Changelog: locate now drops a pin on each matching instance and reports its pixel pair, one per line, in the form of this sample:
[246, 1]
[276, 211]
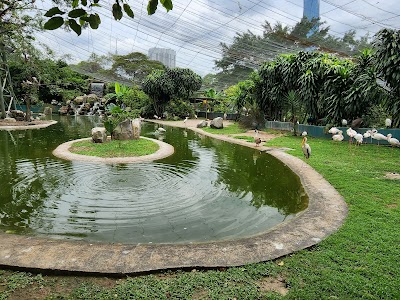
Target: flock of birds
[337, 136]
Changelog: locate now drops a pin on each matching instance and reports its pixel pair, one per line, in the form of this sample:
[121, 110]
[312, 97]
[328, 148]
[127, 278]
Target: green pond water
[207, 190]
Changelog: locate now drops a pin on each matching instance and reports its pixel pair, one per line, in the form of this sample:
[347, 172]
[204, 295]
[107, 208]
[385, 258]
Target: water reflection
[207, 190]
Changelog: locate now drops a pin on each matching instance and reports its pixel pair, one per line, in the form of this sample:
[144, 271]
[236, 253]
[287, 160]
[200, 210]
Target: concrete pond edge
[325, 214]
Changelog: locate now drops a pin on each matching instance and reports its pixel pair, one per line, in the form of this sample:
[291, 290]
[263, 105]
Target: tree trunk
[2, 106]
[28, 109]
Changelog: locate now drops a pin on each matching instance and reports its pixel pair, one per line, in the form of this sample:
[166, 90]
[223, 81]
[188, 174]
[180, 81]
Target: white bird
[160, 129]
[359, 138]
[333, 130]
[338, 137]
[351, 133]
[367, 134]
[184, 121]
[344, 122]
[388, 123]
[306, 148]
[304, 133]
[393, 141]
[195, 116]
[378, 136]
[157, 117]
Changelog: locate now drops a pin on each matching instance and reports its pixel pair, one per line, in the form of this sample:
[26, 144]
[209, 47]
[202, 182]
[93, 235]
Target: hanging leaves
[80, 15]
[117, 11]
[75, 26]
[128, 10]
[54, 11]
[54, 23]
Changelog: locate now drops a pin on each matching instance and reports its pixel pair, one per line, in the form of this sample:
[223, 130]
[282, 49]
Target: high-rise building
[311, 11]
[165, 56]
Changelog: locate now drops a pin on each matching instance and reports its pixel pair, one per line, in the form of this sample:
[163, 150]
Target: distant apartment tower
[165, 56]
[311, 11]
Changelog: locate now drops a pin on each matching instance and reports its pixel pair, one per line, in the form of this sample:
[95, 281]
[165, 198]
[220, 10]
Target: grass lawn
[360, 261]
[115, 148]
[230, 129]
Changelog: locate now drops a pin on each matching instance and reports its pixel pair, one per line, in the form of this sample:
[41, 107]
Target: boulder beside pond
[217, 123]
[202, 124]
[99, 135]
[123, 131]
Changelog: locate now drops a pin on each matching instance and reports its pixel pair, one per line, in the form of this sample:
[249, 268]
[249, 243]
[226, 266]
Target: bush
[179, 108]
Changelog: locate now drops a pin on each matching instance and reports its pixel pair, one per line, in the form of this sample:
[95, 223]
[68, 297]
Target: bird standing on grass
[306, 148]
[378, 136]
[393, 141]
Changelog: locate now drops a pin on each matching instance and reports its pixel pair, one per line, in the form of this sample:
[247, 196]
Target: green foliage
[162, 86]
[179, 108]
[116, 115]
[329, 87]
[79, 14]
[387, 62]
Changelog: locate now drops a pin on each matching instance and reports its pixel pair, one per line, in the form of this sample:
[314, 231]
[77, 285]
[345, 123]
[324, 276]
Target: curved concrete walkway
[325, 214]
[63, 152]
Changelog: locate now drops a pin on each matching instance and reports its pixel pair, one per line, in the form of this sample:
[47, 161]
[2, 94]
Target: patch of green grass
[115, 148]
[230, 129]
[245, 137]
[360, 261]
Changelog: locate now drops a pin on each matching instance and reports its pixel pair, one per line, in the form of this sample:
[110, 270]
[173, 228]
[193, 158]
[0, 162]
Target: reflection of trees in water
[26, 180]
[268, 180]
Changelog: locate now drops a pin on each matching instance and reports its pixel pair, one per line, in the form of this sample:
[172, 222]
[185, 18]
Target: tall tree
[387, 62]
[15, 34]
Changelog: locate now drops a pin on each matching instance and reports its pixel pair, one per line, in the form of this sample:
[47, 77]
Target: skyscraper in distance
[166, 56]
[311, 11]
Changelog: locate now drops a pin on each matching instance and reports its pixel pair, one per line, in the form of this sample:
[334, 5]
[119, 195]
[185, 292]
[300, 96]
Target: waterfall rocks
[202, 124]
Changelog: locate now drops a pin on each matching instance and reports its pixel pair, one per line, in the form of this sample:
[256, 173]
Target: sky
[196, 28]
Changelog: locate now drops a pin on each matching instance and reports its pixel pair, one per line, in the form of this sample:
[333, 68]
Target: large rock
[123, 131]
[18, 115]
[99, 135]
[136, 125]
[217, 123]
[202, 124]
[92, 98]
[47, 111]
[63, 110]
[80, 99]
[10, 120]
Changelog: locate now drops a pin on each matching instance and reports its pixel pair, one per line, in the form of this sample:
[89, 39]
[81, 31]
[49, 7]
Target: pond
[208, 190]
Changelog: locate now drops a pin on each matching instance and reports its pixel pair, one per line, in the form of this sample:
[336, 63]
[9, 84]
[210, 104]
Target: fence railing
[322, 131]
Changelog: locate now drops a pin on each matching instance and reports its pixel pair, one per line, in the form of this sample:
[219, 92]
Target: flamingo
[359, 138]
[338, 137]
[378, 136]
[344, 122]
[393, 141]
[388, 123]
[367, 134]
[306, 148]
[333, 130]
[351, 133]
